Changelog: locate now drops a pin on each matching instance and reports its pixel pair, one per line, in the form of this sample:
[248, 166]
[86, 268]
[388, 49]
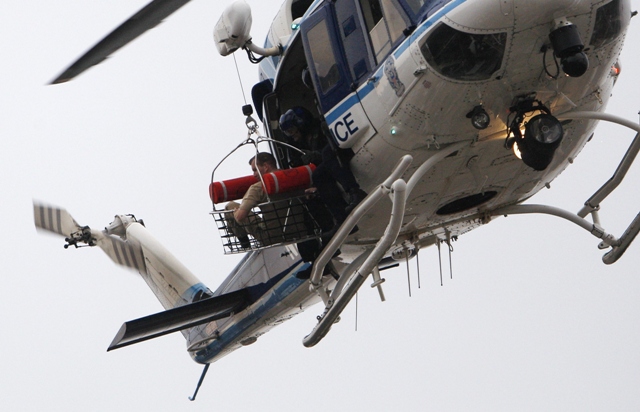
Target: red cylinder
[231, 189]
[280, 181]
[288, 180]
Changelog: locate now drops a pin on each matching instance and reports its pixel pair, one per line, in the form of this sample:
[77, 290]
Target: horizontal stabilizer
[182, 317]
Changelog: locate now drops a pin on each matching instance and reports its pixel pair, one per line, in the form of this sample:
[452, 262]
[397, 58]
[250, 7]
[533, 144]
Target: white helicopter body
[404, 111]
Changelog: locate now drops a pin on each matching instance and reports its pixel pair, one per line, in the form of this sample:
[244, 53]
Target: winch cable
[239, 79]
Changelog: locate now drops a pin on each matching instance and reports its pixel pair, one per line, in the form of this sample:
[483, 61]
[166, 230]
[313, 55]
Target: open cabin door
[339, 59]
[272, 115]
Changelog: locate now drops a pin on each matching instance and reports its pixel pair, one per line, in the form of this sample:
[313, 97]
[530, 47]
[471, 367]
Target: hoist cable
[239, 79]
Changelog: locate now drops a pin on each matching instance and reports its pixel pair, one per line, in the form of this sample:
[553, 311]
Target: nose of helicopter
[520, 14]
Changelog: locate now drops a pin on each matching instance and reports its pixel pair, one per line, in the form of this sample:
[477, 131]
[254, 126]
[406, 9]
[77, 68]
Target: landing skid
[352, 280]
[354, 276]
[592, 205]
[335, 308]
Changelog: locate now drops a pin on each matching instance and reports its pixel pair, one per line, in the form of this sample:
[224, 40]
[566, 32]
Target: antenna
[450, 264]
[204, 373]
[440, 261]
[450, 250]
[356, 311]
[408, 277]
[418, 265]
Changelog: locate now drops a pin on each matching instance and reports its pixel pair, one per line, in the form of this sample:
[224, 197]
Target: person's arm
[240, 215]
[249, 201]
[311, 157]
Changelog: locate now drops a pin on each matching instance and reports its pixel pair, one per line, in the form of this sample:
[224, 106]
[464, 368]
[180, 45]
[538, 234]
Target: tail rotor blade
[54, 219]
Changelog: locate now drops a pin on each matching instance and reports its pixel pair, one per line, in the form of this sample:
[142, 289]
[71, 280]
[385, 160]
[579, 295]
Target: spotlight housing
[479, 118]
[568, 47]
[542, 135]
[544, 129]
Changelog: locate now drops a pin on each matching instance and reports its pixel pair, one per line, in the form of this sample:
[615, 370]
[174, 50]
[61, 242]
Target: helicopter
[459, 174]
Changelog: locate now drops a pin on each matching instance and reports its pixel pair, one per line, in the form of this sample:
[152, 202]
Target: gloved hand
[311, 157]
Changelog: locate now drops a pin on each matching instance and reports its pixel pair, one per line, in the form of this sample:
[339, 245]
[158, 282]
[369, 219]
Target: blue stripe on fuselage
[255, 314]
[338, 111]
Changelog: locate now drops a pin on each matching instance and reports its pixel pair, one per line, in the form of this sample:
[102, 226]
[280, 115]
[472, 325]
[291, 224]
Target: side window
[323, 56]
[608, 24]
[353, 32]
[425, 8]
[415, 5]
[299, 7]
[395, 22]
[330, 72]
[385, 24]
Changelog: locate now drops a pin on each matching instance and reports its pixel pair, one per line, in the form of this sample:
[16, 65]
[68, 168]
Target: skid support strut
[349, 284]
[398, 190]
[342, 233]
[592, 205]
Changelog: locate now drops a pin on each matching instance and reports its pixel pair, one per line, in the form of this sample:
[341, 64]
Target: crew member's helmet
[294, 119]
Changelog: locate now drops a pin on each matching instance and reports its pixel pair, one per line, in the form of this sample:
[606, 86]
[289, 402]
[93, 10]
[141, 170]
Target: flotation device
[231, 189]
[288, 180]
[281, 181]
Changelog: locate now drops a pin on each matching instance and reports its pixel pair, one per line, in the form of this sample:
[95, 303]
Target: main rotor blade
[147, 18]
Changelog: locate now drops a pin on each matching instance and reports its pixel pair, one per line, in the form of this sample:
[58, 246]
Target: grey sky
[532, 320]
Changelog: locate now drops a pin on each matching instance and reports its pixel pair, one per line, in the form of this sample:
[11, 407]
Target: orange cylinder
[288, 180]
[280, 181]
[231, 189]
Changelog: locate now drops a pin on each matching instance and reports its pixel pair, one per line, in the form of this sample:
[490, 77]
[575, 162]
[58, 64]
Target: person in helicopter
[304, 132]
[268, 228]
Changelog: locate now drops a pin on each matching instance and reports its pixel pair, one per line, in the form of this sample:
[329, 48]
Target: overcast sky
[532, 319]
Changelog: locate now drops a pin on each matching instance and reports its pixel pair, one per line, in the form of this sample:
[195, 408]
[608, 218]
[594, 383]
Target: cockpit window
[608, 24]
[464, 56]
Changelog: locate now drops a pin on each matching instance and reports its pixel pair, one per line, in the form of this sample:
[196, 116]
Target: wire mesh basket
[278, 222]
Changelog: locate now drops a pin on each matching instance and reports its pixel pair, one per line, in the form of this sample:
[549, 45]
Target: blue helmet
[298, 118]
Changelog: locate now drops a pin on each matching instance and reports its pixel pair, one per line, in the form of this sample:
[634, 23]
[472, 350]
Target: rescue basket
[278, 222]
